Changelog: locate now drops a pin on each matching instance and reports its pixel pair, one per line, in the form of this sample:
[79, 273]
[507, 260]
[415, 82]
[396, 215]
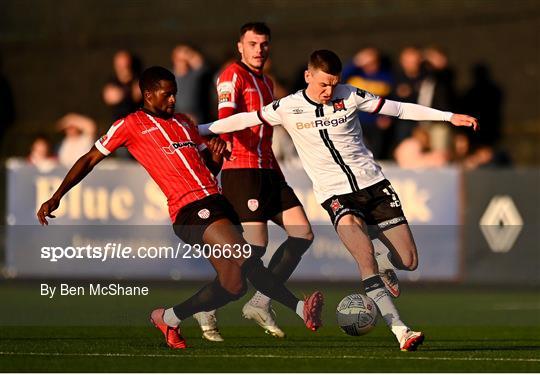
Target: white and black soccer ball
[356, 314]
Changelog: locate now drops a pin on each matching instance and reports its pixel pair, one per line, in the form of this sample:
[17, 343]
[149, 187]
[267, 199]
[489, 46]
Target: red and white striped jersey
[240, 89]
[169, 151]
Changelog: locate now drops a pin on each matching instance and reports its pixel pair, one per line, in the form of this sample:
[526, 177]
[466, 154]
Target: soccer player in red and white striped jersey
[251, 178]
[176, 166]
[168, 147]
[243, 89]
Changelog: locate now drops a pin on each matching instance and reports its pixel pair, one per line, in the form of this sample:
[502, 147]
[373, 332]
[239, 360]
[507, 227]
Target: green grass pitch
[466, 331]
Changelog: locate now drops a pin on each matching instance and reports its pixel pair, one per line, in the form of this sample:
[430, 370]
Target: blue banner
[118, 196]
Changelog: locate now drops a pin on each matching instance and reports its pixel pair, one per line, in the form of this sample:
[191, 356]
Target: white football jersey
[328, 138]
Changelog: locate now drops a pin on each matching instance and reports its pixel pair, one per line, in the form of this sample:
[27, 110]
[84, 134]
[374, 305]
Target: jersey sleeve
[116, 137]
[229, 92]
[269, 114]
[366, 101]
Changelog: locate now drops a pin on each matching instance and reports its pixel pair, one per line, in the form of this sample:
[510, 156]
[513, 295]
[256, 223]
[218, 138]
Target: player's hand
[217, 146]
[464, 120]
[46, 210]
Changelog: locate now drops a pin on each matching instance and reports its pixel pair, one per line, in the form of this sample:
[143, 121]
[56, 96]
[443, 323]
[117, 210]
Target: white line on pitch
[264, 356]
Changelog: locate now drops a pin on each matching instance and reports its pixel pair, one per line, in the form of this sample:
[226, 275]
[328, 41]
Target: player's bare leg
[258, 308]
[398, 253]
[282, 264]
[266, 282]
[353, 232]
[231, 280]
[400, 242]
[255, 233]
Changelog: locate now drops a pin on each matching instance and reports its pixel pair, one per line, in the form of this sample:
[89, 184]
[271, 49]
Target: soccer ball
[356, 314]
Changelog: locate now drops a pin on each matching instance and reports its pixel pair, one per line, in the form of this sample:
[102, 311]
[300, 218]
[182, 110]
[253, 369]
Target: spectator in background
[415, 151]
[367, 72]
[41, 154]
[193, 79]
[121, 93]
[437, 91]
[79, 137]
[7, 106]
[407, 87]
[484, 100]
[472, 156]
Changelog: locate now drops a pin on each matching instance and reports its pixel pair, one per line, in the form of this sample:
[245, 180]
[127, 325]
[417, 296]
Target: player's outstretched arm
[239, 121]
[417, 112]
[80, 169]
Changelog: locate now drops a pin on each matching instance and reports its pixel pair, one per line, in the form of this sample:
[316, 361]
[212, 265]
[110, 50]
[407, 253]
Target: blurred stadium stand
[60, 63]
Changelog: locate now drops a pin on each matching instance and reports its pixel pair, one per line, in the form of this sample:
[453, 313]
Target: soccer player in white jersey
[323, 123]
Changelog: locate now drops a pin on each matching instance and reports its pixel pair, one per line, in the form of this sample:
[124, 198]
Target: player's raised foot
[410, 340]
[208, 323]
[265, 317]
[391, 282]
[173, 338]
[313, 311]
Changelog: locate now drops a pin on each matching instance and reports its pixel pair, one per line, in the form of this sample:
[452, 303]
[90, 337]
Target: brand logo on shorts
[335, 205]
[253, 204]
[204, 213]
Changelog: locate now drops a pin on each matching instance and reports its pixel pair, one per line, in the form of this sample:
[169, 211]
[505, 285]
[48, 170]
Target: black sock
[287, 256]
[210, 297]
[265, 282]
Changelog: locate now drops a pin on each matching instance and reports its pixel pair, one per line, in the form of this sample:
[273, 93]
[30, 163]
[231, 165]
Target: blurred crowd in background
[420, 75]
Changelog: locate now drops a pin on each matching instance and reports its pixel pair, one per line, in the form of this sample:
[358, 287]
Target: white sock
[170, 318]
[300, 309]
[398, 331]
[377, 292]
[260, 300]
[383, 258]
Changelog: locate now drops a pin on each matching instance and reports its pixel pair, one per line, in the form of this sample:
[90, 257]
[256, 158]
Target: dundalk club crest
[335, 205]
[253, 204]
[339, 105]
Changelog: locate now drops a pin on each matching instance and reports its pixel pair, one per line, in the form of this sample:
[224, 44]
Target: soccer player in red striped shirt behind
[168, 146]
[251, 178]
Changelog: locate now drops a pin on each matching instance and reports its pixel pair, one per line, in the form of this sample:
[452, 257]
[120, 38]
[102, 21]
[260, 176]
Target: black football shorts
[194, 218]
[378, 205]
[257, 194]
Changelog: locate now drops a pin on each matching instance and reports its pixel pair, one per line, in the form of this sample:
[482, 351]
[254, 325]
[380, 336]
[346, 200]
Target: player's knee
[239, 291]
[236, 287]
[410, 263]
[302, 231]
[413, 265]
[308, 235]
